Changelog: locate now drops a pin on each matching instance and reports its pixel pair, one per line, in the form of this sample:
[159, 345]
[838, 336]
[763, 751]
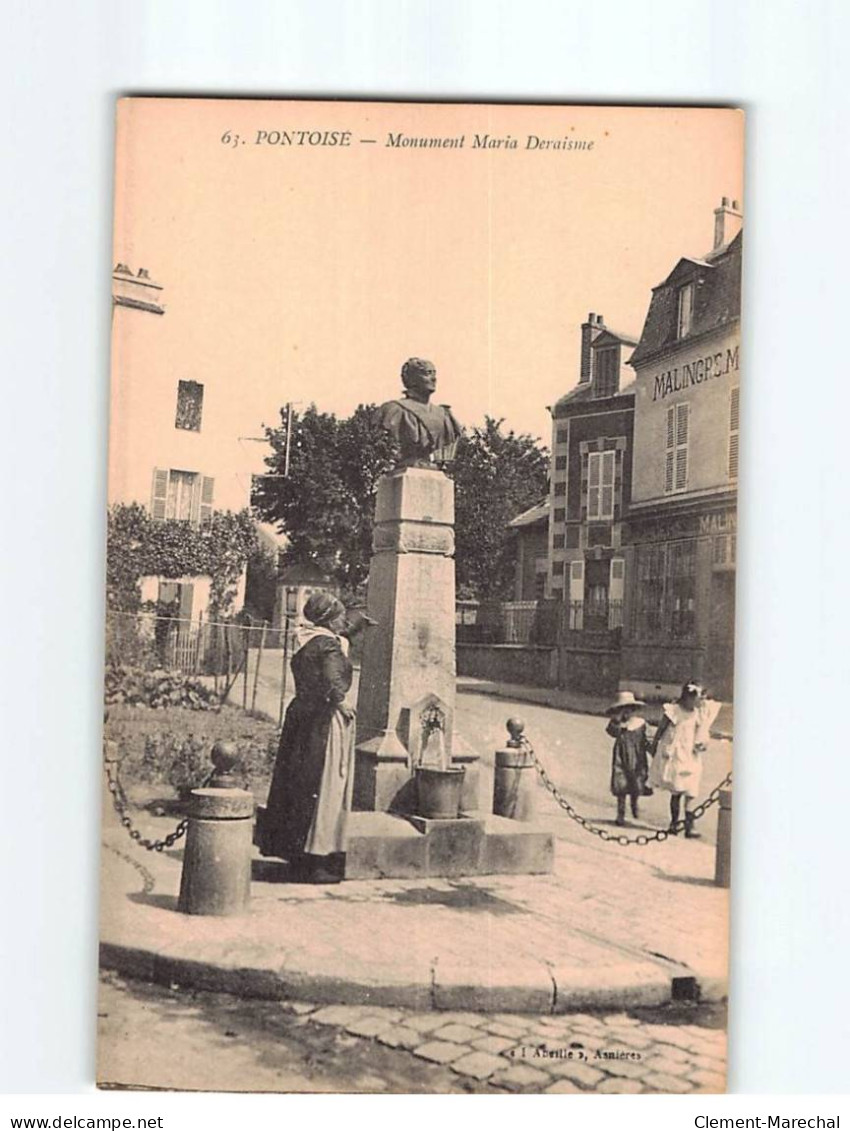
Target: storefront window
[666, 591]
[650, 590]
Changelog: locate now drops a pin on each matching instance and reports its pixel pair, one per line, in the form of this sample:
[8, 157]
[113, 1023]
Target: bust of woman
[426, 434]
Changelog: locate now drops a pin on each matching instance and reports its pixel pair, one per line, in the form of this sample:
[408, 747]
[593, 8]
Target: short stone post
[216, 876]
[723, 859]
[515, 777]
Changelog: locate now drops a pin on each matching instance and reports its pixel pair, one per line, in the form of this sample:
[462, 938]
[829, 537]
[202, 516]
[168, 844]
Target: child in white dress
[680, 741]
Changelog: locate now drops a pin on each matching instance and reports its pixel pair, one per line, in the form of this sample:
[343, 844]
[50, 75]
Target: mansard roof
[717, 300]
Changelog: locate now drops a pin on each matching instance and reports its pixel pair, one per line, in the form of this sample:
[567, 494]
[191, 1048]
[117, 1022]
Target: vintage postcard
[419, 685]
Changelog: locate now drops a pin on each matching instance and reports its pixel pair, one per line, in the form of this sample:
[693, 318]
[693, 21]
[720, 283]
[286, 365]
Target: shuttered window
[734, 410]
[600, 485]
[606, 367]
[576, 619]
[616, 584]
[182, 495]
[676, 464]
[205, 509]
[159, 492]
[685, 311]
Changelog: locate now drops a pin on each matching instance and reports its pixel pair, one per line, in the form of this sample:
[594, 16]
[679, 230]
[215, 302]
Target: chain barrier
[620, 838]
[121, 805]
[148, 881]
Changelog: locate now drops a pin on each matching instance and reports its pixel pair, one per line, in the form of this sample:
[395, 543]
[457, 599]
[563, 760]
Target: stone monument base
[385, 846]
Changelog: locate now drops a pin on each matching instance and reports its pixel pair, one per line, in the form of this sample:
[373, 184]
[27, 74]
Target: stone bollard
[515, 778]
[216, 876]
[723, 859]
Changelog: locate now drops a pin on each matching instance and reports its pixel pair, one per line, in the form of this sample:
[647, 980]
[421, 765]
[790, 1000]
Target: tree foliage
[497, 475]
[137, 547]
[261, 584]
[326, 502]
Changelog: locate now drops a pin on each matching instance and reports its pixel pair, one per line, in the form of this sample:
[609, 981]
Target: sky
[310, 273]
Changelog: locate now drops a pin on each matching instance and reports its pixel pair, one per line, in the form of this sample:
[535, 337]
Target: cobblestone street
[164, 1038]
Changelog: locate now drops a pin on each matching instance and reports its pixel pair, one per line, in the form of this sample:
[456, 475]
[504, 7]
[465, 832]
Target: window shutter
[734, 411]
[577, 594]
[682, 420]
[671, 449]
[682, 424]
[159, 492]
[577, 580]
[616, 585]
[207, 485]
[607, 507]
[681, 468]
[616, 579]
[593, 484]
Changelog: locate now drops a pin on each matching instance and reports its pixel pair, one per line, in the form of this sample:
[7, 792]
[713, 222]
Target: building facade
[172, 447]
[679, 539]
[590, 482]
[529, 533]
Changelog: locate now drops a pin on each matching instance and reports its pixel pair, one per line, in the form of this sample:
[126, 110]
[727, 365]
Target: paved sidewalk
[612, 927]
[579, 702]
[266, 698]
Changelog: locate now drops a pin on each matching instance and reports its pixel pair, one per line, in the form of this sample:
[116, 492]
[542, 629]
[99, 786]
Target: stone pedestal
[216, 877]
[382, 846]
[723, 852]
[405, 705]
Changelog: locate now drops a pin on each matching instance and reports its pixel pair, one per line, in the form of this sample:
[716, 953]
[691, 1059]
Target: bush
[184, 762]
[172, 746]
[158, 688]
[127, 645]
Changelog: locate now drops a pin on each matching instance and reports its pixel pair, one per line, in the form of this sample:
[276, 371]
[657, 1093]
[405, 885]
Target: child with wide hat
[629, 761]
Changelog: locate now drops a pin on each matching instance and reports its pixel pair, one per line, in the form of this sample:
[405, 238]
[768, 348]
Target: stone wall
[509, 663]
[592, 670]
[577, 669]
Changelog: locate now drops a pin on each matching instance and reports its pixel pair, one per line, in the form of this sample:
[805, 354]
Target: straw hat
[624, 699]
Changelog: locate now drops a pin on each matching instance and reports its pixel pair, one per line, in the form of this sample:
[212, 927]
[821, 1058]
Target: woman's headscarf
[321, 608]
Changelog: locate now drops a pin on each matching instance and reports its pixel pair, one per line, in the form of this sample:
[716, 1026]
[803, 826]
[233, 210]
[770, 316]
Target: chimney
[590, 331]
[727, 223]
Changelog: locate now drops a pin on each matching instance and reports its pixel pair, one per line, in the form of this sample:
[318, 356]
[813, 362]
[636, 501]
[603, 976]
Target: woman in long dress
[310, 794]
[678, 746]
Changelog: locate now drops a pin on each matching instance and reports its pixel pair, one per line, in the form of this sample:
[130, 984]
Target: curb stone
[457, 991]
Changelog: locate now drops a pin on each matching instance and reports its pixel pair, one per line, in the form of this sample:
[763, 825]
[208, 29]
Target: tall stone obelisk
[406, 698]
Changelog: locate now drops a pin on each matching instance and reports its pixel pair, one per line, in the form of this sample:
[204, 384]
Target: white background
[784, 62]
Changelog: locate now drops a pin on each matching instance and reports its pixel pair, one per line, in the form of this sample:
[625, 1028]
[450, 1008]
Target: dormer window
[607, 371]
[685, 315]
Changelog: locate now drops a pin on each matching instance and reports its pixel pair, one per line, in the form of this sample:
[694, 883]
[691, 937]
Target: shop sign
[697, 372]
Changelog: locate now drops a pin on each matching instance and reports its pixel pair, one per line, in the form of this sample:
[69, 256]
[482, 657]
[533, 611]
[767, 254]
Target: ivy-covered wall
[137, 547]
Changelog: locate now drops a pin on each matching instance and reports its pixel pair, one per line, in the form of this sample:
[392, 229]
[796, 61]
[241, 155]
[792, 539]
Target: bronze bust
[426, 434]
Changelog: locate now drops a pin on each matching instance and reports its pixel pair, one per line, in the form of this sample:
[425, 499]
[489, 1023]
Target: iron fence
[235, 659]
[596, 615]
[518, 621]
